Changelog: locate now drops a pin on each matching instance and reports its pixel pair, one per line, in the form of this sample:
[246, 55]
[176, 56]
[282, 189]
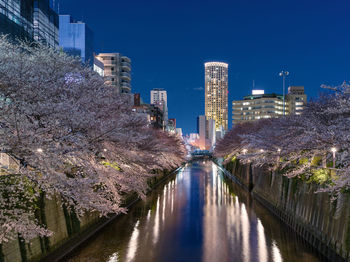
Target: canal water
[197, 215]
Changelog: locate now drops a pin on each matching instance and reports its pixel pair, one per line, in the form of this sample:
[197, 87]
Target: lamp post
[333, 149]
[283, 74]
[244, 151]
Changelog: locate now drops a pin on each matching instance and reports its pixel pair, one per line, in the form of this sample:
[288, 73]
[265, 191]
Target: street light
[262, 150]
[244, 151]
[39, 150]
[283, 74]
[333, 149]
[279, 150]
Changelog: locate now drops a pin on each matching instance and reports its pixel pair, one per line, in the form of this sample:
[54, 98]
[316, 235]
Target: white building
[117, 70]
[159, 99]
[207, 133]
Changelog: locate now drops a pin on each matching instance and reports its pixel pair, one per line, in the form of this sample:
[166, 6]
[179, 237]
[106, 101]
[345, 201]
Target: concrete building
[296, 100]
[45, 23]
[259, 105]
[117, 70]
[256, 106]
[216, 93]
[207, 133]
[76, 39]
[160, 99]
[153, 115]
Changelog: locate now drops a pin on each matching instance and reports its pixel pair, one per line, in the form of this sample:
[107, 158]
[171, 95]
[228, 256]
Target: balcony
[125, 85]
[125, 59]
[126, 66]
[125, 76]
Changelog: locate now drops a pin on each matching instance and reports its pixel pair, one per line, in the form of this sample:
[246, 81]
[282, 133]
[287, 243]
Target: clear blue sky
[169, 41]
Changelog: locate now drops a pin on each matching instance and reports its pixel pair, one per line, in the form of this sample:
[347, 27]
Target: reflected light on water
[245, 233]
[132, 247]
[276, 253]
[156, 224]
[262, 243]
[114, 257]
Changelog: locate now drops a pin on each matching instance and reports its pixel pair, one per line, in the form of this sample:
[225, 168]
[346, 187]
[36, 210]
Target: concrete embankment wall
[321, 222]
[69, 231]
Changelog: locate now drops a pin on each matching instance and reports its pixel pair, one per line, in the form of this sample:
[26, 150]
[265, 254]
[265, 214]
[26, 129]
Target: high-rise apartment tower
[216, 93]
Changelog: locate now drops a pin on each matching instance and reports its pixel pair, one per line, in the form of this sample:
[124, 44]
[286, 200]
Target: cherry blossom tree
[72, 136]
[297, 144]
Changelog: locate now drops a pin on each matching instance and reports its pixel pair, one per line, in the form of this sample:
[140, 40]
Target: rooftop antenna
[58, 8]
[253, 84]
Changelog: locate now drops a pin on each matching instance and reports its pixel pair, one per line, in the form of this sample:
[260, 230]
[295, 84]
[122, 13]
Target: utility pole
[284, 74]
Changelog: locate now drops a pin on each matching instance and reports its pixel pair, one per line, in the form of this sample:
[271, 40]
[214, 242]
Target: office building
[16, 19]
[259, 105]
[117, 70]
[256, 106]
[160, 99]
[45, 23]
[296, 100]
[76, 39]
[216, 93]
[207, 133]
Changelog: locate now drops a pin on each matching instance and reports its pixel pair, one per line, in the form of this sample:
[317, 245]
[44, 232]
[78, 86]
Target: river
[197, 215]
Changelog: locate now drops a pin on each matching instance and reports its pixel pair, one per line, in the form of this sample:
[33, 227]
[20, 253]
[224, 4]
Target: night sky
[169, 41]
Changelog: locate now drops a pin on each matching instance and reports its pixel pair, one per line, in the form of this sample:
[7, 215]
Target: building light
[258, 92]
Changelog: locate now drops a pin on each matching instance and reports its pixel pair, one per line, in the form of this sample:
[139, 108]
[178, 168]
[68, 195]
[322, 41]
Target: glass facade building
[216, 91]
[45, 23]
[29, 19]
[16, 18]
[76, 39]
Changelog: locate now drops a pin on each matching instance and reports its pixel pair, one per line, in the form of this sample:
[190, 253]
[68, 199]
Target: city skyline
[256, 39]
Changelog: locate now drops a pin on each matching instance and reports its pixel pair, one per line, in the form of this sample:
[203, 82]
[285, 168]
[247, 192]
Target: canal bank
[197, 215]
[69, 231]
[322, 223]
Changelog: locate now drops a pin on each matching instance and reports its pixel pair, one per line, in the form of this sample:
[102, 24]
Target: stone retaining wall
[321, 222]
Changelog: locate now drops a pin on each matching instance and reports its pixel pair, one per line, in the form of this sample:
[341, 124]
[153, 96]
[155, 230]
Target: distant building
[46, 23]
[171, 125]
[117, 70]
[160, 99]
[296, 100]
[259, 105]
[99, 67]
[152, 114]
[256, 106]
[216, 93]
[179, 131]
[207, 133]
[76, 39]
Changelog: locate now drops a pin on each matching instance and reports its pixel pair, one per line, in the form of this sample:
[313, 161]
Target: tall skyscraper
[216, 93]
[76, 39]
[117, 70]
[159, 98]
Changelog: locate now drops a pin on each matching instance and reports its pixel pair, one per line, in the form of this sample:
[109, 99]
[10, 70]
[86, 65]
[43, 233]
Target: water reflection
[196, 216]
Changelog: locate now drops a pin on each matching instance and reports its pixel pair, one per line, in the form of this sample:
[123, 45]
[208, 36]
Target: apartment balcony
[126, 66]
[125, 59]
[125, 85]
[126, 76]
